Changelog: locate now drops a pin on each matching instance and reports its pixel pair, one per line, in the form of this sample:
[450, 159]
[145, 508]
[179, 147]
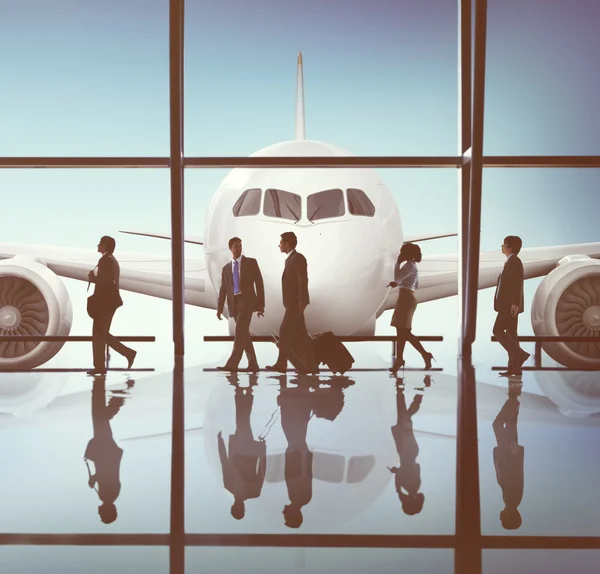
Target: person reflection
[103, 451]
[245, 465]
[509, 458]
[408, 475]
[298, 405]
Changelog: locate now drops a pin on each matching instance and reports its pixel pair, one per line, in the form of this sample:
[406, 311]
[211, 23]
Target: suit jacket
[245, 468]
[509, 289]
[106, 288]
[294, 281]
[251, 286]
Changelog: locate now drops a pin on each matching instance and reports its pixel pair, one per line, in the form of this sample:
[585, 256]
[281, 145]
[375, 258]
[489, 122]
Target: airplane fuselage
[350, 243]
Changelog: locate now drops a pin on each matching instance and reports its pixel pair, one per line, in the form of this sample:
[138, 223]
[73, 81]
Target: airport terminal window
[248, 203]
[325, 204]
[282, 204]
[359, 203]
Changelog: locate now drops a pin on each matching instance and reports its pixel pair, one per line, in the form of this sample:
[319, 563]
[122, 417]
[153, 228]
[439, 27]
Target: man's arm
[222, 293]
[302, 275]
[260, 288]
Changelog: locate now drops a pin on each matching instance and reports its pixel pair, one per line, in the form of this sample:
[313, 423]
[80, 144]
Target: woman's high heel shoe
[428, 357]
[399, 364]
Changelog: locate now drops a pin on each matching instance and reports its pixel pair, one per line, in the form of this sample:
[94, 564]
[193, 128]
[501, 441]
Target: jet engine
[33, 301]
[567, 304]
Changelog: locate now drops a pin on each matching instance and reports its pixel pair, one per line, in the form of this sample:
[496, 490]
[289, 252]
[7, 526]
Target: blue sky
[91, 78]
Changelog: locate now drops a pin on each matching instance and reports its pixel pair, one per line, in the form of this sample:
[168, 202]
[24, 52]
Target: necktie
[236, 278]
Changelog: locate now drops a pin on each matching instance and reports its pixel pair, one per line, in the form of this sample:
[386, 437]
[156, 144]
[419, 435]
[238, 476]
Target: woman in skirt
[407, 278]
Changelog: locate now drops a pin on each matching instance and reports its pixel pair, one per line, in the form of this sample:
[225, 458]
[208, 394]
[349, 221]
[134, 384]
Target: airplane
[350, 230]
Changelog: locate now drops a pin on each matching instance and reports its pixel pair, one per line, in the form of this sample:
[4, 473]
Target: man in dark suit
[243, 288]
[294, 283]
[508, 303]
[107, 300]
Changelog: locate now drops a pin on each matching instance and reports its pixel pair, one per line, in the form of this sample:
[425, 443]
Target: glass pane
[319, 560]
[84, 78]
[546, 561]
[90, 559]
[541, 85]
[248, 203]
[102, 445]
[363, 92]
[371, 469]
[325, 204]
[282, 204]
[359, 203]
[552, 210]
[60, 214]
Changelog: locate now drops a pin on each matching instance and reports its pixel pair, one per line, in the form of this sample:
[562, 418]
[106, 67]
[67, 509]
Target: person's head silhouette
[293, 516]
[510, 518]
[412, 503]
[107, 512]
[238, 509]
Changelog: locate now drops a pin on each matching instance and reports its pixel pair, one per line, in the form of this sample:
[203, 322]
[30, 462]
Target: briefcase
[331, 351]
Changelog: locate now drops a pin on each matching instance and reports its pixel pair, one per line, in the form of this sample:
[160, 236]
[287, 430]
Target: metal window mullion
[177, 518]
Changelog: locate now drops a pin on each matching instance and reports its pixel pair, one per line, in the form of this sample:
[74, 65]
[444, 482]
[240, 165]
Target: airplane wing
[142, 273]
[195, 239]
[438, 274]
[427, 237]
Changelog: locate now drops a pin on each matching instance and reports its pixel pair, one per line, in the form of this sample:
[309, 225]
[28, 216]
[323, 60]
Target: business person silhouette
[243, 288]
[296, 406]
[292, 332]
[407, 476]
[103, 451]
[509, 458]
[245, 465]
[407, 278]
[508, 303]
[105, 301]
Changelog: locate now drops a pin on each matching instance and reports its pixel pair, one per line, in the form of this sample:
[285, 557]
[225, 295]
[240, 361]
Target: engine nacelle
[567, 304]
[33, 301]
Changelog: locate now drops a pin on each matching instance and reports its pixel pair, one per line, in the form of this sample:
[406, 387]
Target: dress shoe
[131, 358]
[276, 367]
[505, 373]
[228, 368]
[96, 373]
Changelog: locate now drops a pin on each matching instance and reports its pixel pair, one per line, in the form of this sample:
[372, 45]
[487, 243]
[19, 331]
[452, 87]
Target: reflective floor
[282, 473]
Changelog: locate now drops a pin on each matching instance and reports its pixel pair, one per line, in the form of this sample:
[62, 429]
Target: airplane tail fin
[300, 125]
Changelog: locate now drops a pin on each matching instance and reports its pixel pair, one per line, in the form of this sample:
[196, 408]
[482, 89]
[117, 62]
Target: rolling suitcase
[298, 355]
[331, 351]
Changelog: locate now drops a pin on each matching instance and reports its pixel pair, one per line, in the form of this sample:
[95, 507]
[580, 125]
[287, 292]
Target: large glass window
[282, 204]
[359, 203]
[325, 204]
[248, 203]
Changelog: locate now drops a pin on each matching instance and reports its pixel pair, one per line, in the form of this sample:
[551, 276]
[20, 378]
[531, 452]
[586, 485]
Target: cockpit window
[282, 204]
[248, 203]
[325, 204]
[359, 203]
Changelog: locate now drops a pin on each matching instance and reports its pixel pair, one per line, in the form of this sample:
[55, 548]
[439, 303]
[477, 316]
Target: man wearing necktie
[508, 303]
[243, 288]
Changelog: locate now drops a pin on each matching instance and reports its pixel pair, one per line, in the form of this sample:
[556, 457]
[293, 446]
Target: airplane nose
[346, 288]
